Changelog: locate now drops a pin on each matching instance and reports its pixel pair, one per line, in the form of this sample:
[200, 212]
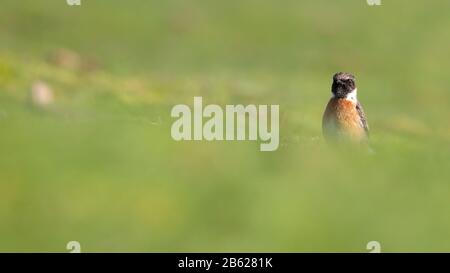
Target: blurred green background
[96, 163]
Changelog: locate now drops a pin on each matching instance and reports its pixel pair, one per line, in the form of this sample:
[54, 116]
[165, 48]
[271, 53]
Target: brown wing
[362, 117]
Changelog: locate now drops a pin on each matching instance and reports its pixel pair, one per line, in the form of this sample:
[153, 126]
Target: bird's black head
[343, 83]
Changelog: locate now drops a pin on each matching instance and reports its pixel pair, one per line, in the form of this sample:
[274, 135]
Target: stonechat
[344, 117]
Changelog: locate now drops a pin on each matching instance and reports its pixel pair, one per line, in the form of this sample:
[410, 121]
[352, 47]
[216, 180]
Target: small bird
[344, 117]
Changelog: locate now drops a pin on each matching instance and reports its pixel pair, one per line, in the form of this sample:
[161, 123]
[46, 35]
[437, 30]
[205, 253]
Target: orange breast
[341, 119]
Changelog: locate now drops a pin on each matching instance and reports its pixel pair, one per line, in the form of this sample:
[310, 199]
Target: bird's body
[344, 117]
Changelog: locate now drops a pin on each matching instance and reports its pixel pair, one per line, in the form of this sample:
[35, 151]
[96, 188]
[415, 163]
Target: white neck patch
[352, 96]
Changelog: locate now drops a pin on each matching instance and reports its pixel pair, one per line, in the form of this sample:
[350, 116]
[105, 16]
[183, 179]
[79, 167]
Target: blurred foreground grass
[99, 166]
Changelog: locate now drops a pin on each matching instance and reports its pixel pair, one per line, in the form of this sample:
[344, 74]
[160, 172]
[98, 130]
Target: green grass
[99, 166]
